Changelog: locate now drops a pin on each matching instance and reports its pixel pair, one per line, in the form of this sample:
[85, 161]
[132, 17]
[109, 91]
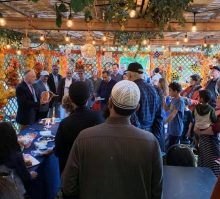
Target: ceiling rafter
[140, 25]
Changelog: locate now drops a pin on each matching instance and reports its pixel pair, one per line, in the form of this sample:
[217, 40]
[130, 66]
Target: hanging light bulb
[18, 52]
[71, 44]
[104, 49]
[194, 28]
[136, 45]
[104, 38]
[69, 22]
[163, 47]
[177, 42]
[2, 20]
[148, 46]
[212, 46]
[205, 43]
[144, 42]
[125, 48]
[67, 38]
[186, 38]
[93, 42]
[132, 13]
[42, 38]
[8, 46]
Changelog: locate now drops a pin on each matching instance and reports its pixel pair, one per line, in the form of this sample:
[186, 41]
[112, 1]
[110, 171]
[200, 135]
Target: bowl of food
[42, 145]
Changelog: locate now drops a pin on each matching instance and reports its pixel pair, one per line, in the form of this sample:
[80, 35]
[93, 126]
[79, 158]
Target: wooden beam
[80, 25]
[110, 42]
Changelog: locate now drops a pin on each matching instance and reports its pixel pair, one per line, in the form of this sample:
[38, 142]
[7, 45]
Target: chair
[180, 155]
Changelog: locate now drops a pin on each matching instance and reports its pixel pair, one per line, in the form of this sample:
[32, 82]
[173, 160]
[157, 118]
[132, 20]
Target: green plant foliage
[88, 15]
[10, 37]
[58, 16]
[123, 38]
[118, 11]
[79, 5]
[160, 12]
[62, 8]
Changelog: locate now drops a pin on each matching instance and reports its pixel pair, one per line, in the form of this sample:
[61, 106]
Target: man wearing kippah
[149, 115]
[115, 160]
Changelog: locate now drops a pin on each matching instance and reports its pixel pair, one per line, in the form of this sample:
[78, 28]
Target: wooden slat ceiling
[39, 18]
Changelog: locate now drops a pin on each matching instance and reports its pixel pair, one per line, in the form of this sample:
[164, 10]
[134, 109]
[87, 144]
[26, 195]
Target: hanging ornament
[88, 51]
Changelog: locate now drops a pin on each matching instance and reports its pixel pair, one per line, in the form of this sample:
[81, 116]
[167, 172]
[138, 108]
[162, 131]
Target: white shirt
[155, 78]
[68, 82]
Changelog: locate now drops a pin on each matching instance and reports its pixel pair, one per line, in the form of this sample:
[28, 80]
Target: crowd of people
[116, 150]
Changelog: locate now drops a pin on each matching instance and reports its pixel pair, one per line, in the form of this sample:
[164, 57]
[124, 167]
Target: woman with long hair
[11, 158]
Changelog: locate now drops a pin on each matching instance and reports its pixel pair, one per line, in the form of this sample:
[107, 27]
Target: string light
[177, 42]
[186, 38]
[132, 13]
[67, 38]
[18, 52]
[2, 20]
[104, 38]
[93, 42]
[205, 43]
[194, 28]
[144, 42]
[42, 38]
[8, 46]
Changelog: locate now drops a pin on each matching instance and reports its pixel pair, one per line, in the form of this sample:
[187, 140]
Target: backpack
[11, 176]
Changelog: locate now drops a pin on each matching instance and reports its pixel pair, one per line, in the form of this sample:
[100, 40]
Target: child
[209, 143]
[204, 114]
[204, 117]
[176, 116]
[187, 123]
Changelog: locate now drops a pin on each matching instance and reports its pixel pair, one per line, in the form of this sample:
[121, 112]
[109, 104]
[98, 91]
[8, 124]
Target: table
[47, 184]
[188, 182]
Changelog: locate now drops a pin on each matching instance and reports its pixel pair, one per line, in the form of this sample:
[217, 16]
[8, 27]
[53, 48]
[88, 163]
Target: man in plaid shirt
[149, 116]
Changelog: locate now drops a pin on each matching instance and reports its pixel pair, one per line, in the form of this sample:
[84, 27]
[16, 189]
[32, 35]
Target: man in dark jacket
[70, 127]
[105, 88]
[115, 159]
[28, 103]
[53, 82]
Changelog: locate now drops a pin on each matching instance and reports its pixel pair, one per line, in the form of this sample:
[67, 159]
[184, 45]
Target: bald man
[28, 103]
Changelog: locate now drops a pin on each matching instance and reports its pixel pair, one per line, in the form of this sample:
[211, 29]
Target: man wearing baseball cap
[115, 159]
[149, 115]
[213, 85]
[41, 86]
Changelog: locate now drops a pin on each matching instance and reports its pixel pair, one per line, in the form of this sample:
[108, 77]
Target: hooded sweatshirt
[204, 116]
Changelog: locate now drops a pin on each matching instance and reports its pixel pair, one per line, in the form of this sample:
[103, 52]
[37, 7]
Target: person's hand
[196, 130]
[33, 174]
[194, 102]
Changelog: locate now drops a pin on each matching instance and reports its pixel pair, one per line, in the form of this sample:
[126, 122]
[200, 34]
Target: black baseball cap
[135, 67]
[216, 68]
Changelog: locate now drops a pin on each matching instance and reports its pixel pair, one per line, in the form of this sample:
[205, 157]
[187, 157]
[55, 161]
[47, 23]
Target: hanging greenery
[118, 11]
[123, 38]
[10, 37]
[160, 12]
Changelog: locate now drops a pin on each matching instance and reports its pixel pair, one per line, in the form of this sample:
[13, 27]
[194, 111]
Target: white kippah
[126, 95]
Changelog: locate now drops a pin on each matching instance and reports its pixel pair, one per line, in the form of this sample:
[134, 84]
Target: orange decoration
[12, 74]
